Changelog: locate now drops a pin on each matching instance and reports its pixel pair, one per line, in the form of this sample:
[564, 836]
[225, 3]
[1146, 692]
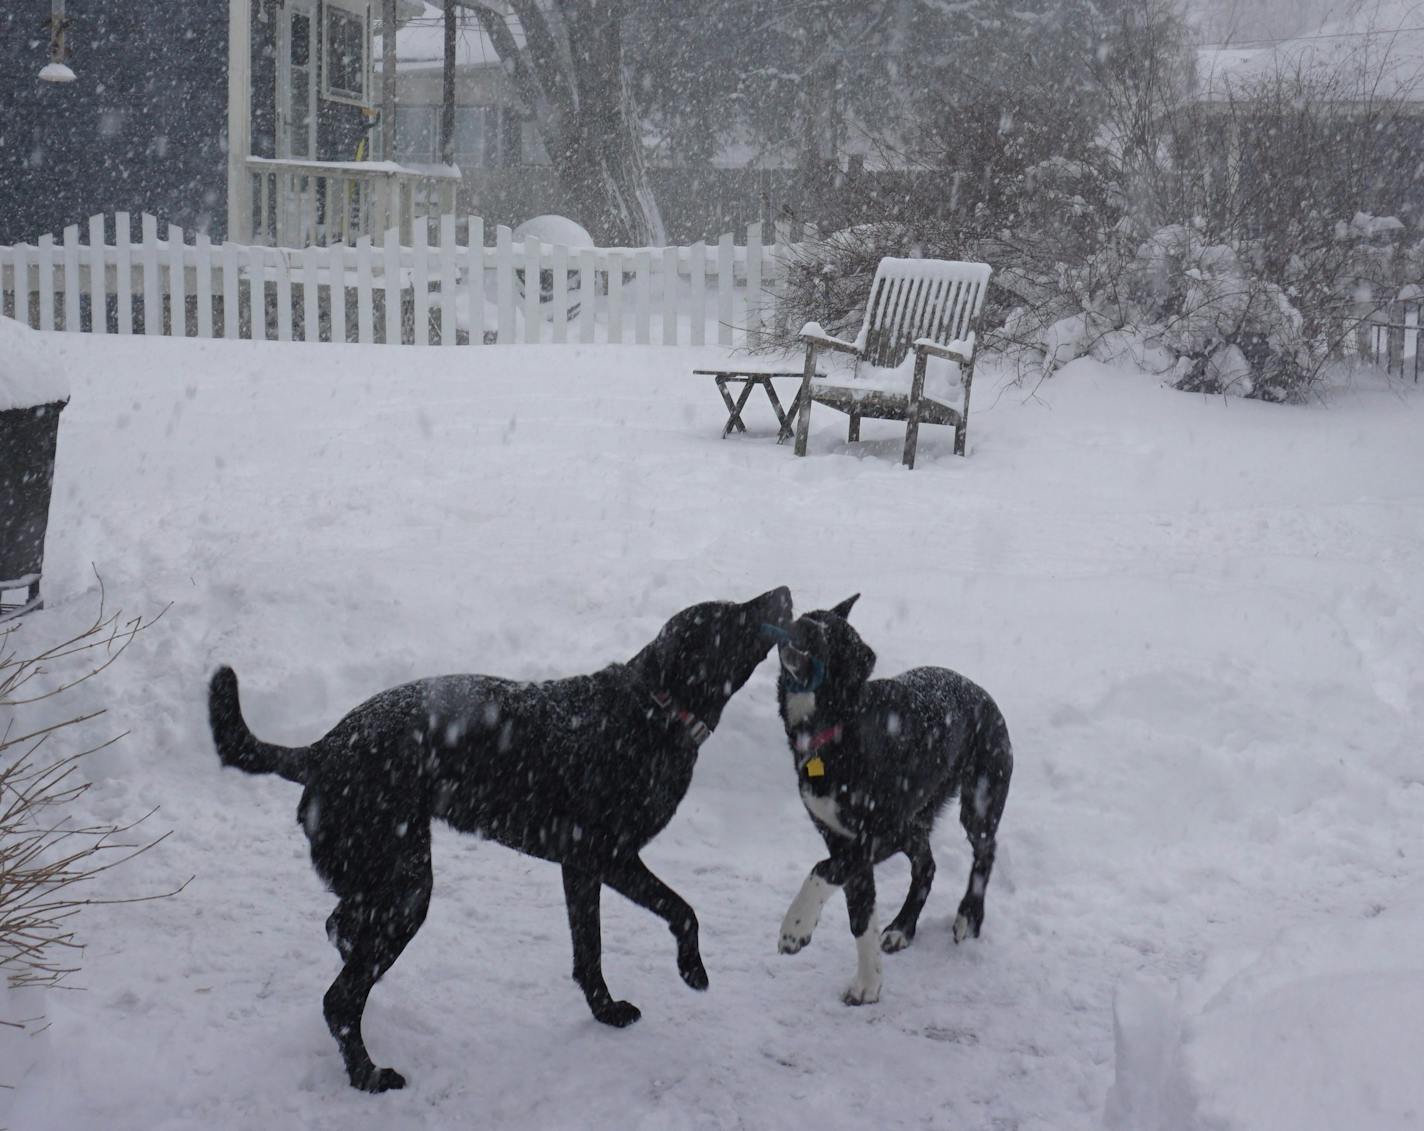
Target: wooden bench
[930, 306]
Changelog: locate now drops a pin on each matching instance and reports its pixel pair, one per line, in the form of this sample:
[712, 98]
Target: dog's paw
[893, 939]
[862, 992]
[619, 1014]
[693, 972]
[379, 1080]
[792, 939]
[966, 927]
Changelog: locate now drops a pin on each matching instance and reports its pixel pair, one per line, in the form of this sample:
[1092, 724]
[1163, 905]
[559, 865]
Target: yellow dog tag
[815, 768]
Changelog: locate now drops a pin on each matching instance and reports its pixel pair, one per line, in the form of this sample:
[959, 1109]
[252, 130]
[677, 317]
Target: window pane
[415, 133]
[470, 135]
[345, 54]
[301, 40]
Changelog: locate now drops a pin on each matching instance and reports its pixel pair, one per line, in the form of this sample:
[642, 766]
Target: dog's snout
[777, 607]
[796, 662]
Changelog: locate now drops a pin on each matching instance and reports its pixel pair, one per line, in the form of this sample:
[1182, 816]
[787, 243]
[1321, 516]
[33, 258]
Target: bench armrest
[812, 334]
[960, 350]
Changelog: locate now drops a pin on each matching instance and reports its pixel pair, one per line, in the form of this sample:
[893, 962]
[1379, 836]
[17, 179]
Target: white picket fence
[723, 293]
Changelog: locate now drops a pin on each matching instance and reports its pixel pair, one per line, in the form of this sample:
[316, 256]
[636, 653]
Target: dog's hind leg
[370, 929]
[581, 895]
[901, 931]
[982, 795]
[860, 904]
[633, 880]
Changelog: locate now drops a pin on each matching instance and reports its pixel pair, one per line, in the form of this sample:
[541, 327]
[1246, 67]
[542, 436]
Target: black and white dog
[876, 762]
[582, 771]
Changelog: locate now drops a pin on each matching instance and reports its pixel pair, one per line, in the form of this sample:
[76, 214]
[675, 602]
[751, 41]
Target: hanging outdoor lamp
[57, 70]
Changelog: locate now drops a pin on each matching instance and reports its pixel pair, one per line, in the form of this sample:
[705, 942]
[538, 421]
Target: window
[477, 136]
[344, 73]
[301, 39]
[416, 133]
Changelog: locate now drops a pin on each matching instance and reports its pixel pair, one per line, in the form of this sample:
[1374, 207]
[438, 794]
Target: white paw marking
[893, 940]
[864, 989]
[961, 928]
[825, 810]
[803, 914]
[800, 706]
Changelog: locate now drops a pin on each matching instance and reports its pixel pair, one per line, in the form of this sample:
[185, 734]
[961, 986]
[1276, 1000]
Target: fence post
[420, 282]
[365, 328]
[615, 297]
[203, 283]
[232, 296]
[177, 285]
[504, 283]
[559, 295]
[391, 288]
[447, 278]
[311, 295]
[152, 283]
[284, 294]
[780, 254]
[533, 315]
[726, 272]
[642, 295]
[123, 272]
[72, 322]
[98, 288]
[588, 293]
[670, 296]
[1394, 338]
[257, 293]
[754, 304]
[475, 278]
[336, 275]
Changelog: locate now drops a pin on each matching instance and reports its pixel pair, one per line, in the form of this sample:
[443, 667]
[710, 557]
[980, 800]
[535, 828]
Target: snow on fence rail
[723, 292]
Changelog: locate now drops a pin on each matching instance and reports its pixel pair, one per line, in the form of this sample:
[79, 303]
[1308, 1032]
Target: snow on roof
[29, 373]
[1374, 45]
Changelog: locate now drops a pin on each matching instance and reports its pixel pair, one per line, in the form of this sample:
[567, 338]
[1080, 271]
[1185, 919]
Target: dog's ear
[860, 658]
[843, 609]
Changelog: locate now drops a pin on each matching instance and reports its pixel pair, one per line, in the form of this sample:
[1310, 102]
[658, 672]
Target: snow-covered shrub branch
[47, 852]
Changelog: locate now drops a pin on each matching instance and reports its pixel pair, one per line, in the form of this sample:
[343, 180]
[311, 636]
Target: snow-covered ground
[1202, 618]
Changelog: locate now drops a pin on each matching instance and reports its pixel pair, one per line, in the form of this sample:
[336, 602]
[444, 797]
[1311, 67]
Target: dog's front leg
[633, 880]
[805, 910]
[581, 892]
[860, 903]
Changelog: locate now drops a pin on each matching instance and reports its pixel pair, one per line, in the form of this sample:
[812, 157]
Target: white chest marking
[825, 810]
[799, 706]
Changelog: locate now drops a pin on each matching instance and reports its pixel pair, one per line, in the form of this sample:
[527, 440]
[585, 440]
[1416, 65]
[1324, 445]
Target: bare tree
[567, 67]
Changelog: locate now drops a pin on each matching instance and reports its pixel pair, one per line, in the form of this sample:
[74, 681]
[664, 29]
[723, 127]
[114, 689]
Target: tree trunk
[570, 75]
[447, 88]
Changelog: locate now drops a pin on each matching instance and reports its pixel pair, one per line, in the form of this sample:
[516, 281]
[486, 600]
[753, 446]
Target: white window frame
[361, 11]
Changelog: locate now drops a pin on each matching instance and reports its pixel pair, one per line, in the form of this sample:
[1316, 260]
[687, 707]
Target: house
[302, 107]
[1346, 96]
[141, 128]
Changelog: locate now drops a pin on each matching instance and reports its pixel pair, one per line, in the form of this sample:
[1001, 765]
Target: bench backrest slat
[920, 298]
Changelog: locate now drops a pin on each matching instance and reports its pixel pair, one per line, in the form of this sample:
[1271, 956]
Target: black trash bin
[32, 395]
[27, 445]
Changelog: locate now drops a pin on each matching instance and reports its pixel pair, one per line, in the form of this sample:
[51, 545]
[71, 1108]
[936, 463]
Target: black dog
[876, 762]
[582, 771]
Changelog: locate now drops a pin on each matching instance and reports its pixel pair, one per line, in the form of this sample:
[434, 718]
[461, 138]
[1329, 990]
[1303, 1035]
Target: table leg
[787, 418]
[734, 411]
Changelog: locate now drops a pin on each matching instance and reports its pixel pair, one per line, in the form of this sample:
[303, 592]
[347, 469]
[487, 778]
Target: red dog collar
[697, 730]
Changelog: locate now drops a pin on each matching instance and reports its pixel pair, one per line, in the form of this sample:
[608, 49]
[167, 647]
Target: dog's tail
[238, 746]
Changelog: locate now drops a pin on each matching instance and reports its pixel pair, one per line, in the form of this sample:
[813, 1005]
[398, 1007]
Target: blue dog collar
[818, 670]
